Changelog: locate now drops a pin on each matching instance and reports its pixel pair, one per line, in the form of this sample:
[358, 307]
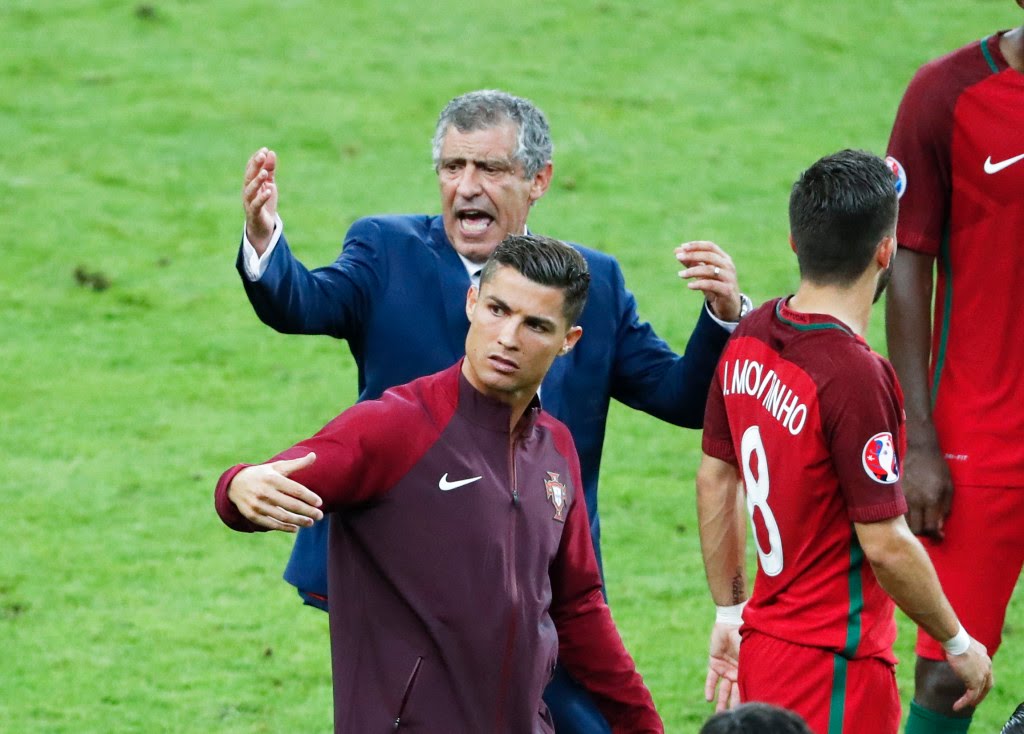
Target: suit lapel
[452, 284]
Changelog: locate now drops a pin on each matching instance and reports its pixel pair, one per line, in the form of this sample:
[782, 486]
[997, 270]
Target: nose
[508, 336]
[469, 182]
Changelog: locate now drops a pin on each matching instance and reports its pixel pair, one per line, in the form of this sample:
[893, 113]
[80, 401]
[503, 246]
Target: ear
[886, 251]
[541, 182]
[471, 296]
[570, 340]
[792, 242]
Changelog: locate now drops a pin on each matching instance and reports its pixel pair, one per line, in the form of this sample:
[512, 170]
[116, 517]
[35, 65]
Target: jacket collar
[489, 413]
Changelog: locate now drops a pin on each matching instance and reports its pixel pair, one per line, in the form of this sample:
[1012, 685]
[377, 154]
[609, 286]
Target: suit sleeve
[649, 376]
[589, 645]
[333, 300]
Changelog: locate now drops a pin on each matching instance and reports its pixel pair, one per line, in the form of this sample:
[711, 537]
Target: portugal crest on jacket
[556, 494]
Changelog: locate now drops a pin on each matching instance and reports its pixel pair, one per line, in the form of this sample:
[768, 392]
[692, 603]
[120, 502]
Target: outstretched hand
[268, 498]
[723, 666]
[710, 269]
[259, 198]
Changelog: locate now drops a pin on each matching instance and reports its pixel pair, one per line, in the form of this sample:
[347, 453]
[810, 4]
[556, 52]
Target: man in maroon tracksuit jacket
[460, 551]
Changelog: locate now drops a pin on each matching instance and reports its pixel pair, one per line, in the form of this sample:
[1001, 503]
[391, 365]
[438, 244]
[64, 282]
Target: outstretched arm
[266, 497]
[902, 567]
[647, 374]
[926, 479]
[722, 521]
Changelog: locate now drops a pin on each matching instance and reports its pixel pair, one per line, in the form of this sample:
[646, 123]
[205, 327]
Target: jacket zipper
[510, 639]
[515, 515]
[408, 691]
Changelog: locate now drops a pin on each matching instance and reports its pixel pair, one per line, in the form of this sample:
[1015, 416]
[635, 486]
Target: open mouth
[473, 221]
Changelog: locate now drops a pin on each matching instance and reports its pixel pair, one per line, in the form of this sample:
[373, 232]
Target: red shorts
[978, 562]
[833, 694]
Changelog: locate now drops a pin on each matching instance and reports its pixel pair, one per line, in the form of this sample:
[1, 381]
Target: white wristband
[959, 643]
[730, 615]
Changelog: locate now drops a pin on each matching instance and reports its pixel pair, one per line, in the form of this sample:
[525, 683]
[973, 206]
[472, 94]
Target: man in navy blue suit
[397, 292]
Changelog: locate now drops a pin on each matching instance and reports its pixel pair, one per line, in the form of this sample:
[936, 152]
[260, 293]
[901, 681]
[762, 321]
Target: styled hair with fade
[545, 261]
[488, 108]
[839, 210]
[756, 718]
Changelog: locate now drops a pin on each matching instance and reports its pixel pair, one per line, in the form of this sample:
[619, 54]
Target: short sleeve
[864, 427]
[920, 144]
[717, 440]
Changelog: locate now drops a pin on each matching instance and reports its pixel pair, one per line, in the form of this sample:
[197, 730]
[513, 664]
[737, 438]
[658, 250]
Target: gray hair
[487, 108]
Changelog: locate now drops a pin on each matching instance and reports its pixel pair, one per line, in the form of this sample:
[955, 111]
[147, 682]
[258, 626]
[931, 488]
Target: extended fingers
[278, 508]
[286, 492]
[703, 251]
[255, 164]
[258, 184]
[709, 685]
[734, 696]
[725, 688]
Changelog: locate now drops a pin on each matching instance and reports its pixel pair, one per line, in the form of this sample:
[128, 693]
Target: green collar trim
[988, 54]
[807, 327]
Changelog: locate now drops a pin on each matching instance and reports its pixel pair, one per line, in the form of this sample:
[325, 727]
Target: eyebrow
[503, 163]
[531, 319]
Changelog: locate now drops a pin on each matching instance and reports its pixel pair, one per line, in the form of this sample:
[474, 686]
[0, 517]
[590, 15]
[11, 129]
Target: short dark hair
[1015, 724]
[487, 108]
[545, 261]
[756, 718]
[839, 209]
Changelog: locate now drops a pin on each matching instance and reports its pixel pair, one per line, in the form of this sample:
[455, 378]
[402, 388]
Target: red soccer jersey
[814, 420]
[959, 135]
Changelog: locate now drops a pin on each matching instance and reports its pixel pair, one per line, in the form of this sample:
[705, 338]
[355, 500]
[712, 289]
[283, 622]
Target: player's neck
[851, 305]
[1011, 44]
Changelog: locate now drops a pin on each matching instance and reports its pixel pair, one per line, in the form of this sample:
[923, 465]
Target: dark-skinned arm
[908, 324]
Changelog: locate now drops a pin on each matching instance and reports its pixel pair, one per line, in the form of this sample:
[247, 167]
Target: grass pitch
[135, 371]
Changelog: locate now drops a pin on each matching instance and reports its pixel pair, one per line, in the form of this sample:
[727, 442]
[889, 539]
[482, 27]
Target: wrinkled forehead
[500, 140]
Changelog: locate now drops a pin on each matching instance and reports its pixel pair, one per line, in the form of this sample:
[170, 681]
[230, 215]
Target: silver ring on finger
[716, 271]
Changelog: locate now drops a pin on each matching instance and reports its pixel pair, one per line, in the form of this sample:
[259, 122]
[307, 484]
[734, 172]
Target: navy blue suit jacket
[397, 294]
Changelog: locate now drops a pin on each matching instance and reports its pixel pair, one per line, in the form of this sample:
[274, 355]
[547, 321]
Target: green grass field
[125, 606]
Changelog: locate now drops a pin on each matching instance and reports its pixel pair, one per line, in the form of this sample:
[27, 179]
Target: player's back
[813, 419]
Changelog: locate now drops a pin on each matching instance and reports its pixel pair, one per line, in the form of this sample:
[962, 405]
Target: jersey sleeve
[358, 457]
[589, 644]
[717, 439]
[863, 421]
[920, 142]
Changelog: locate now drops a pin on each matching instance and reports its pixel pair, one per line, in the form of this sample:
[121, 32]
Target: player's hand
[723, 667]
[928, 487]
[267, 497]
[974, 668]
[259, 198]
[710, 269]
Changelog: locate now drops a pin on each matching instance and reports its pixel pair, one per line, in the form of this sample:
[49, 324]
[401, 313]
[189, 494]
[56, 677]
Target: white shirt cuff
[255, 265]
[729, 326]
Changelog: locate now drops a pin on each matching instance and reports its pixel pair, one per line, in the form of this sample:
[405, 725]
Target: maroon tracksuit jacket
[460, 566]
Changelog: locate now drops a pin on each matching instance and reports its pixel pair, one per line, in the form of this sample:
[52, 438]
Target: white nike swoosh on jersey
[444, 485]
[991, 167]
